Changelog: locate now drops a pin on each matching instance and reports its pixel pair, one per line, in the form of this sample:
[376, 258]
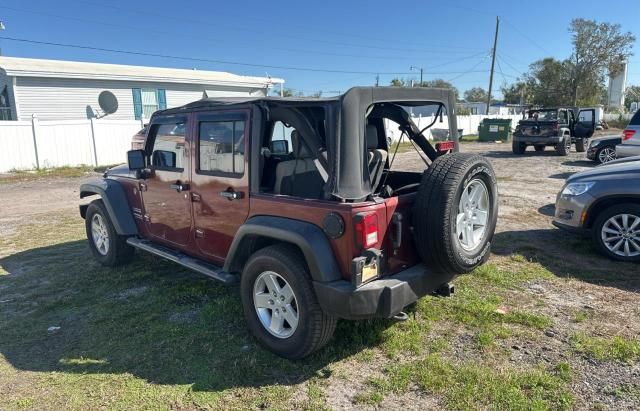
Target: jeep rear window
[635, 120]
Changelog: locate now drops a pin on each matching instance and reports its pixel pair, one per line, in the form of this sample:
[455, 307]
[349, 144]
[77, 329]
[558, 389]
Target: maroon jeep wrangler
[299, 201]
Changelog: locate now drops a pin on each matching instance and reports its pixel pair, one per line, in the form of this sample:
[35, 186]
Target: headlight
[594, 143]
[575, 189]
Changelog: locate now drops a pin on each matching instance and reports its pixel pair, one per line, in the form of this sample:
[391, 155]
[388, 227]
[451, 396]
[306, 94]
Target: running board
[184, 260]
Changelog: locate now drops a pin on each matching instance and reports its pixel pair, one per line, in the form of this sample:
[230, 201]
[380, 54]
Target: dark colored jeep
[299, 201]
[555, 127]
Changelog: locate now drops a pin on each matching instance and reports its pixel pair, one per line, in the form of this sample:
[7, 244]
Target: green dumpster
[493, 129]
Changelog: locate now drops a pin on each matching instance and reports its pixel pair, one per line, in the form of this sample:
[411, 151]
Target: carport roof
[25, 67]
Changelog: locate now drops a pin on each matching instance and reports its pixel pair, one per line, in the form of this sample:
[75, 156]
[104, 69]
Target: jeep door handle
[231, 195]
[179, 187]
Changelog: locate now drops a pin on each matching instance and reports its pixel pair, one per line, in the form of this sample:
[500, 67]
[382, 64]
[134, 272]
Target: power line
[527, 37]
[471, 70]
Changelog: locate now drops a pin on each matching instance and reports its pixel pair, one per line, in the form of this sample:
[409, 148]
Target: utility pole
[377, 80]
[421, 73]
[493, 62]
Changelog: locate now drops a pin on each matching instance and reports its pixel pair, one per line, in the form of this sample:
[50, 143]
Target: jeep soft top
[300, 202]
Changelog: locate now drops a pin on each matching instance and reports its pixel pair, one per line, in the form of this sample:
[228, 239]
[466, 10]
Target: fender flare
[115, 201]
[309, 238]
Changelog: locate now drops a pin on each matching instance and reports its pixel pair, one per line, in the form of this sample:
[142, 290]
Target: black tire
[581, 145]
[314, 328]
[118, 252]
[436, 208]
[518, 148]
[563, 148]
[603, 217]
[539, 148]
[602, 157]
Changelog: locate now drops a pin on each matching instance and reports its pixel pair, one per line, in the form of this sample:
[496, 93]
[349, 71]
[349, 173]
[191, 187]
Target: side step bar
[194, 264]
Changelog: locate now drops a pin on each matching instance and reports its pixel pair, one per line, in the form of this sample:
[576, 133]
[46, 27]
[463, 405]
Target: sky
[326, 45]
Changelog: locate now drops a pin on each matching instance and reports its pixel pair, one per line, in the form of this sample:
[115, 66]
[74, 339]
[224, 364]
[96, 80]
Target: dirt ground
[603, 292]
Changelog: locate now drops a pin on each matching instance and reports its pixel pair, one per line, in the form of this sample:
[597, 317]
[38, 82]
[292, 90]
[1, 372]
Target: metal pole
[421, 69]
[35, 127]
[493, 62]
[281, 89]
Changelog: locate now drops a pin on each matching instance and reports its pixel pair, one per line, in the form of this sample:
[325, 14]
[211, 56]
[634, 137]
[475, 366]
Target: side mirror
[135, 160]
[279, 147]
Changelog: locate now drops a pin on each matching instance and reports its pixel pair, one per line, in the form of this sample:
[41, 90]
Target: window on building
[221, 147]
[5, 107]
[147, 101]
[168, 145]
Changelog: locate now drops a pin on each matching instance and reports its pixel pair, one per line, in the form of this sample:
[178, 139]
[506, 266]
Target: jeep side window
[167, 152]
[562, 117]
[282, 132]
[221, 146]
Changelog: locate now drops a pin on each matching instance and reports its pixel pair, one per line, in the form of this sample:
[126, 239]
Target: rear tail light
[366, 226]
[627, 134]
[445, 146]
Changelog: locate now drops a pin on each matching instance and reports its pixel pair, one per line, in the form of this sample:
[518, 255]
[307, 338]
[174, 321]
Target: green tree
[397, 82]
[440, 83]
[476, 94]
[598, 49]
[286, 92]
[631, 94]
[516, 93]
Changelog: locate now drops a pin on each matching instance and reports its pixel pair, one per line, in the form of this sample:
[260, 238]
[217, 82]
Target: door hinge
[195, 197]
[199, 233]
[143, 187]
[146, 218]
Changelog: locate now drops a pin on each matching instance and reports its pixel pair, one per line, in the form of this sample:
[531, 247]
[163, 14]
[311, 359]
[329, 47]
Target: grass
[155, 336]
[606, 349]
[59, 172]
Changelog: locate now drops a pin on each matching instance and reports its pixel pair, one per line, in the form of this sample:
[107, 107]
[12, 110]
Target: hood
[120, 171]
[610, 171]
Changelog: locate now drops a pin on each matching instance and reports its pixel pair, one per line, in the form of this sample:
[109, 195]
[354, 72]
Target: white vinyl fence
[45, 144]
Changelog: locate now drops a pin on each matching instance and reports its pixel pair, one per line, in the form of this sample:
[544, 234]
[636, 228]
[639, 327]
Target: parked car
[555, 127]
[604, 203]
[297, 201]
[630, 145]
[603, 149]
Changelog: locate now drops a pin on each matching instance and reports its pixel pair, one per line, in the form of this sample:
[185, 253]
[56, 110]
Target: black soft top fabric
[346, 146]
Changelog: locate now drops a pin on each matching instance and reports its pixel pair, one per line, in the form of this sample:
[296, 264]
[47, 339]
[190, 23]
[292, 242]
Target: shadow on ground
[569, 256]
[151, 319]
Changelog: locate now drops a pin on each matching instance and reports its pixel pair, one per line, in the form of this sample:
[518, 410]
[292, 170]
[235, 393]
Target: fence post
[35, 128]
[93, 141]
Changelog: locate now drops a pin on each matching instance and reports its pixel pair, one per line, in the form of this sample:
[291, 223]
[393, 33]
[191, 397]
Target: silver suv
[630, 145]
[605, 204]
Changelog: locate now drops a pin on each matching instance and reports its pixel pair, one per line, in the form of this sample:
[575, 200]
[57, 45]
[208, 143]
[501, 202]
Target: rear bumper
[383, 298]
[535, 140]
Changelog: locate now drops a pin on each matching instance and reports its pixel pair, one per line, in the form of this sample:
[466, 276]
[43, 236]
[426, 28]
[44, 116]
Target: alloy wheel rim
[275, 304]
[473, 215]
[100, 234]
[606, 155]
[621, 235]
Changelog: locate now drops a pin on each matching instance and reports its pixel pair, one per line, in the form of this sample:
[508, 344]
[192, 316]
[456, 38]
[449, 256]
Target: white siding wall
[68, 99]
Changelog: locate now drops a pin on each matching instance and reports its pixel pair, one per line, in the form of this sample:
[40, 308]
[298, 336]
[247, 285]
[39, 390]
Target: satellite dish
[108, 102]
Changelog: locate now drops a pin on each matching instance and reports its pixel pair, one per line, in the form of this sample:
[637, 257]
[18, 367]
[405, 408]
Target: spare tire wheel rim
[100, 234]
[275, 304]
[473, 215]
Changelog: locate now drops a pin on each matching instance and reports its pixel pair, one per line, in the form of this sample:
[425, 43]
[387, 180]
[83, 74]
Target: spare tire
[455, 213]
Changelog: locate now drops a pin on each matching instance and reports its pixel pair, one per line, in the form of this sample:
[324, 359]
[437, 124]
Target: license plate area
[366, 268]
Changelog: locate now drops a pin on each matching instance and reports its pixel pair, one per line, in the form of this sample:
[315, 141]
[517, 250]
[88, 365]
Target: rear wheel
[606, 154]
[563, 148]
[280, 305]
[518, 148]
[455, 213]
[538, 147]
[109, 248]
[616, 232]
[581, 145]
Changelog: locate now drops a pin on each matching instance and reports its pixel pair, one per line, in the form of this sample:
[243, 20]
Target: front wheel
[581, 145]
[280, 305]
[616, 232]
[107, 247]
[455, 213]
[606, 154]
